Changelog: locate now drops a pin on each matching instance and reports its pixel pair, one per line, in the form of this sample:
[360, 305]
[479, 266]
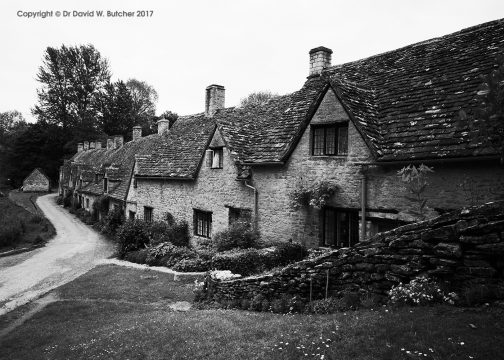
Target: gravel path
[75, 250]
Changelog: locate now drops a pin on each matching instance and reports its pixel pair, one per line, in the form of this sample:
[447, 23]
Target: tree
[144, 102]
[169, 115]
[12, 124]
[257, 98]
[117, 114]
[73, 79]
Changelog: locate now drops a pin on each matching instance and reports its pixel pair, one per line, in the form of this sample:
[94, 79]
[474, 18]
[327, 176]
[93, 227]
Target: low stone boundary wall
[464, 247]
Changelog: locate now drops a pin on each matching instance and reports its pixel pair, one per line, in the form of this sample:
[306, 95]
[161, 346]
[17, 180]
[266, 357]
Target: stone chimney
[91, 145]
[137, 132]
[214, 100]
[110, 144]
[80, 147]
[163, 126]
[98, 144]
[86, 145]
[320, 58]
[118, 141]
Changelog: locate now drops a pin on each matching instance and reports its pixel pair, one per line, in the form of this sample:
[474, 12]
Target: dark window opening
[236, 214]
[131, 215]
[135, 183]
[330, 140]
[148, 214]
[340, 228]
[202, 223]
[105, 185]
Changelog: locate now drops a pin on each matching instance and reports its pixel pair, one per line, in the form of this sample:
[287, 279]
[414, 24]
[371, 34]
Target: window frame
[150, 211]
[324, 147]
[206, 225]
[220, 152]
[352, 230]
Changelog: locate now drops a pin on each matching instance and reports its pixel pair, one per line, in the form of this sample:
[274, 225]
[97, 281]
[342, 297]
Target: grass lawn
[20, 228]
[27, 200]
[121, 313]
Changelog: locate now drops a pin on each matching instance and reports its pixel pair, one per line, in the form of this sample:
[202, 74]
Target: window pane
[318, 141]
[330, 148]
[343, 140]
[330, 227]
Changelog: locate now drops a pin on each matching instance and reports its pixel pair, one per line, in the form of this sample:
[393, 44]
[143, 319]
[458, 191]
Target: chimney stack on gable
[86, 145]
[80, 147]
[320, 58]
[214, 100]
[118, 141]
[98, 144]
[163, 126]
[110, 144]
[137, 132]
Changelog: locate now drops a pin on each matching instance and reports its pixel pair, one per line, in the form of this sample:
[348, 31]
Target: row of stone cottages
[354, 125]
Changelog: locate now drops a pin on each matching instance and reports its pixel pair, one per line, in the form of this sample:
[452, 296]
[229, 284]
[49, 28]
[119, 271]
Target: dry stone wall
[464, 247]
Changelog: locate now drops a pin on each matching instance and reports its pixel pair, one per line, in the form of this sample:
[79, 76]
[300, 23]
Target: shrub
[480, 294]
[245, 304]
[36, 219]
[59, 200]
[167, 254]
[192, 265]
[113, 221]
[279, 306]
[137, 256]
[9, 234]
[238, 261]
[289, 252]
[238, 235]
[174, 232]
[420, 291]
[131, 236]
[256, 303]
[67, 200]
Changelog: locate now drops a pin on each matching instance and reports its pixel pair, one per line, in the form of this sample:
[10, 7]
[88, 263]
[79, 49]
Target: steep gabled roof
[179, 154]
[406, 102]
[37, 170]
[265, 133]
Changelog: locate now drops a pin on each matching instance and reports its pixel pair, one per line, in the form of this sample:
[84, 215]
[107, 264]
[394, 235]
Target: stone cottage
[37, 181]
[353, 126]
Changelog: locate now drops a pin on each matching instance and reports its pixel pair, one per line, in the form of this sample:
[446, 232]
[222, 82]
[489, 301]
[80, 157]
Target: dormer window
[105, 185]
[215, 158]
[330, 140]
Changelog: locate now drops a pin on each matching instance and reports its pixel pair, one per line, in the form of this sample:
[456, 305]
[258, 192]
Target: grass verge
[20, 228]
[121, 313]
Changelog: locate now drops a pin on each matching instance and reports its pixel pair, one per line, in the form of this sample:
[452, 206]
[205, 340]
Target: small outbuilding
[37, 181]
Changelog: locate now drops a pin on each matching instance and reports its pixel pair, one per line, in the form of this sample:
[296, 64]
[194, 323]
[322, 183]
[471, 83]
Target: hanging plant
[315, 194]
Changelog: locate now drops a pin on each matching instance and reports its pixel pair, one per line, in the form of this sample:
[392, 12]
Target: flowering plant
[420, 291]
[316, 194]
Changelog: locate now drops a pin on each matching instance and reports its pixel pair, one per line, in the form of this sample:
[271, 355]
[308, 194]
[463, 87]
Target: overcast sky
[245, 45]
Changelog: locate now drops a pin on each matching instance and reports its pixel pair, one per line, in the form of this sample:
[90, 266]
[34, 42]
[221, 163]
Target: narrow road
[74, 250]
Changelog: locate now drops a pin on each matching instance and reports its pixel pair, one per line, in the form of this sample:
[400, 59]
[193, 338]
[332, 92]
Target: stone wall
[463, 247]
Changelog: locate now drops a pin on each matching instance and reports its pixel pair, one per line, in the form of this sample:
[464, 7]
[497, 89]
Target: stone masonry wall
[464, 247]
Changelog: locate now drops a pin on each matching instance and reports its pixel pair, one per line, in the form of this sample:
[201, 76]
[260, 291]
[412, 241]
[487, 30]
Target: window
[131, 215]
[105, 185]
[202, 223]
[330, 139]
[148, 214]
[236, 214]
[135, 183]
[340, 228]
[215, 158]
[87, 203]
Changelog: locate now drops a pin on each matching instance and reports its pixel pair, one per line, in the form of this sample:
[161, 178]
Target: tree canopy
[257, 98]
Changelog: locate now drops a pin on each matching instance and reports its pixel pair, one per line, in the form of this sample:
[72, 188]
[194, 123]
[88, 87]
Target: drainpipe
[255, 202]
[363, 203]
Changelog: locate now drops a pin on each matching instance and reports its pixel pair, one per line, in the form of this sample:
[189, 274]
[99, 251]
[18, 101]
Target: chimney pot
[163, 126]
[214, 100]
[98, 145]
[118, 141]
[110, 144]
[80, 147]
[86, 145]
[92, 145]
[137, 132]
[320, 58]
